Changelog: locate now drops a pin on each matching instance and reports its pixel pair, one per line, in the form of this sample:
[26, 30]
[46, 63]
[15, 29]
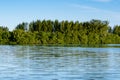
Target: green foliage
[116, 30]
[4, 35]
[22, 26]
[64, 32]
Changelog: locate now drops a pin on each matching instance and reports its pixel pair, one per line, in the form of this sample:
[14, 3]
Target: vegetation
[64, 32]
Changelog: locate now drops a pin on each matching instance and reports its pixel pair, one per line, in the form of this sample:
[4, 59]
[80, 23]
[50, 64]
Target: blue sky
[13, 12]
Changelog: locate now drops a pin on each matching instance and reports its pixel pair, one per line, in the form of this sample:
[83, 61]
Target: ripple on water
[59, 63]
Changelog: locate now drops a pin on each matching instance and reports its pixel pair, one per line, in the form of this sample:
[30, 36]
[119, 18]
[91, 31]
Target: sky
[13, 12]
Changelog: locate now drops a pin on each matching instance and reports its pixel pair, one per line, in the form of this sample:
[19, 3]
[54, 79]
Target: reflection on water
[59, 63]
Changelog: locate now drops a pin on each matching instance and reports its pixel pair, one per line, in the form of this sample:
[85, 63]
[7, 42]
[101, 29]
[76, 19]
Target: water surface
[59, 63]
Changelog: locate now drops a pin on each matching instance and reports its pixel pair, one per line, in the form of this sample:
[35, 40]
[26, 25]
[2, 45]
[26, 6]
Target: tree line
[64, 32]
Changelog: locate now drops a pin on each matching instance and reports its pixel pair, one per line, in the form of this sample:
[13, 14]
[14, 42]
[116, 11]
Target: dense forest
[64, 32]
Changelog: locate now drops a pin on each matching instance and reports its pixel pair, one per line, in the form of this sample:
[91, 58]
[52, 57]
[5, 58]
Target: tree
[22, 26]
[64, 32]
[56, 25]
[116, 30]
[4, 35]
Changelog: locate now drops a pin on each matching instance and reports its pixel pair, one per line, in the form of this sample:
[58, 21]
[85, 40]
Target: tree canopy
[64, 32]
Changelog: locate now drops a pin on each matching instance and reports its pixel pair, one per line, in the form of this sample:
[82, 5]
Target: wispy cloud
[85, 7]
[102, 0]
[97, 13]
[91, 8]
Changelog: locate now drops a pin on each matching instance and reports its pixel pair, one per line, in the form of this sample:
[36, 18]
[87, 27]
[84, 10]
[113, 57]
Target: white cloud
[84, 7]
[91, 8]
[103, 0]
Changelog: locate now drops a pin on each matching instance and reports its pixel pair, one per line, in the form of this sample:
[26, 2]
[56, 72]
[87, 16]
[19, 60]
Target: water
[59, 63]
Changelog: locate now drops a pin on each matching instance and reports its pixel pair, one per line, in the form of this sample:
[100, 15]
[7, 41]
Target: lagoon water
[59, 63]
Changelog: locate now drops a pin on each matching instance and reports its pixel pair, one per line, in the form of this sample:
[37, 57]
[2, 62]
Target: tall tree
[116, 30]
[23, 26]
